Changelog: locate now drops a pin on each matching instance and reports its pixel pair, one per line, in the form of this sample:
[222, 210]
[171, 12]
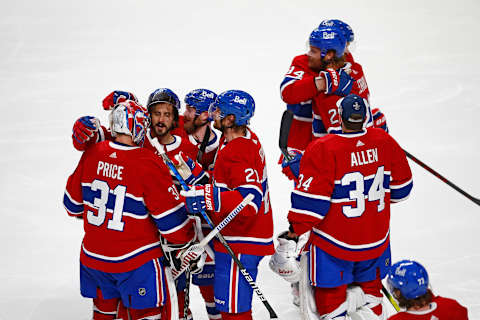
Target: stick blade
[285, 124]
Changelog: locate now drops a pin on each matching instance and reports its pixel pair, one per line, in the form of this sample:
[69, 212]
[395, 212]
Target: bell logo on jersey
[240, 100]
[142, 291]
[328, 35]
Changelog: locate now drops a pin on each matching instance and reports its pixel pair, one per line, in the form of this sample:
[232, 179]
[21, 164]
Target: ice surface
[58, 59]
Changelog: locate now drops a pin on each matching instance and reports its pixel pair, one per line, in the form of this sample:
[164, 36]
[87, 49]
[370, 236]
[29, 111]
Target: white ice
[58, 59]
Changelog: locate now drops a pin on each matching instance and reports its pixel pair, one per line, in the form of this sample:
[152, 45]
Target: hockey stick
[194, 251]
[439, 176]
[285, 124]
[390, 298]
[222, 240]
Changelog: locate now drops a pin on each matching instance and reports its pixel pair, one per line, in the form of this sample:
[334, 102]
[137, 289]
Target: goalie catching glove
[284, 261]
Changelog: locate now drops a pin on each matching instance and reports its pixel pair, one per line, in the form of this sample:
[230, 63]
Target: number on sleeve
[305, 185]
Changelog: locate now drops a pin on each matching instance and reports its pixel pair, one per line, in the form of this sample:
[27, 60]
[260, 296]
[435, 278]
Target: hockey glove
[337, 82]
[202, 198]
[191, 171]
[379, 120]
[284, 261]
[292, 168]
[116, 97]
[85, 129]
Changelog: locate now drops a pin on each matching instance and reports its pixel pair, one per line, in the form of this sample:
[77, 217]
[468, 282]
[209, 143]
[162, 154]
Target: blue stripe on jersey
[257, 196]
[398, 194]
[71, 206]
[171, 220]
[318, 126]
[350, 248]
[130, 205]
[305, 203]
[343, 192]
[301, 109]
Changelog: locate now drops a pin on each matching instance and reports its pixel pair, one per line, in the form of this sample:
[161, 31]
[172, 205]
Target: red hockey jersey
[297, 91]
[239, 170]
[326, 118]
[211, 148]
[126, 197]
[346, 184]
[179, 144]
[440, 309]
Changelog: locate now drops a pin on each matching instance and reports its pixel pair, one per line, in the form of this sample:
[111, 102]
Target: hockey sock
[209, 297]
[373, 293]
[181, 303]
[104, 309]
[331, 301]
[247, 315]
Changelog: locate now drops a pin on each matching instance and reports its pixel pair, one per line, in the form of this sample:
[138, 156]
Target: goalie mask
[129, 118]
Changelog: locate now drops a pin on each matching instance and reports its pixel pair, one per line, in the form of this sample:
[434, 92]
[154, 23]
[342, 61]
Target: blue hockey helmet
[408, 276]
[163, 95]
[236, 102]
[328, 38]
[350, 105]
[200, 99]
[346, 30]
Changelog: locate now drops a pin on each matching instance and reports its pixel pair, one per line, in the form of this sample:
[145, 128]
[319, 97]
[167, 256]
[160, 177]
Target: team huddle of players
[141, 216]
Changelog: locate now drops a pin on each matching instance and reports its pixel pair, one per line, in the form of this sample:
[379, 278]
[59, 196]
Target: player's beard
[160, 129]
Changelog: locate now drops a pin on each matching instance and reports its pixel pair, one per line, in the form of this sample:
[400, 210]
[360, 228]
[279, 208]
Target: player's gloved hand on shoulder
[85, 129]
[191, 171]
[202, 198]
[379, 120]
[337, 82]
[116, 97]
[292, 168]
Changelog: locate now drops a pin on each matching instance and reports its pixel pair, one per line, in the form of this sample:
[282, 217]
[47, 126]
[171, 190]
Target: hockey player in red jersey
[239, 170]
[163, 108]
[126, 197]
[197, 124]
[409, 284]
[345, 186]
